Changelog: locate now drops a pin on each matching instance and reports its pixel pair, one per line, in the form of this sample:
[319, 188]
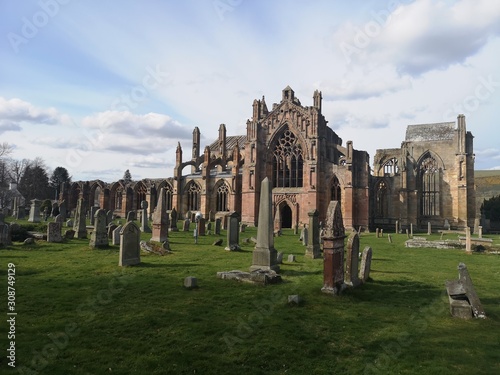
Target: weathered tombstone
[144, 218]
[130, 248]
[407, 233]
[93, 210]
[296, 229]
[5, 235]
[55, 210]
[111, 227]
[35, 211]
[304, 236]
[264, 253]
[429, 228]
[99, 236]
[131, 216]
[190, 282]
[160, 219]
[109, 217]
[115, 240]
[476, 225]
[396, 227]
[411, 230]
[333, 250]
[211, 215]
[63, 210]
[46, 213]
[463, 299]
[352, 262]
[201, 227]
[217, 226]
[54, 232]
[279, 257]
[21, 212]
[366, 263]
[446, 224]
[173, 220]
[382, 232]
[69, 234]
[313, 249]
[80, 225]
[233, 236]
[243, 227]
[377, 233]
[389, 237]
[59, 219]
[480, 232]
[186, 225]
[468, 248]
[208, 227]
[69, 223]
[291, 258]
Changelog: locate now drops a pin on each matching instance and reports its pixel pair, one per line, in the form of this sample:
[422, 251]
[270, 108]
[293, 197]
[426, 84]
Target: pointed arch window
[119, 198]
[222, 197]
[335, 190]
[381, 199]
[288, 163]
[168, 195]
[391, 167]
[193, 197]
[141, 195]
[429, 187]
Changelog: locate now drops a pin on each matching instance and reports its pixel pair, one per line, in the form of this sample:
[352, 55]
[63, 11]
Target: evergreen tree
[35, 183]
[59, 176]
[127, 177]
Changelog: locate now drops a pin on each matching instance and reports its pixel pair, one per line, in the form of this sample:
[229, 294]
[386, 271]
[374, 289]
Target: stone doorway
[286, 216]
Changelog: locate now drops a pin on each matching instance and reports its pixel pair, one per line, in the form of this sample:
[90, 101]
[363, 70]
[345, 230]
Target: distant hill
[487, 185]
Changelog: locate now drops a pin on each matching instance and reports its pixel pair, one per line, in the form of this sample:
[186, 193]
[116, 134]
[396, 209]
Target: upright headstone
[304, 234]
[5, 235]
[63, 210]
[333, 250]
[93, 210]
[99, 236]
[396, 229]
[130, 248]
[208, 227]
[54, 232]
[411, 230]
[15, 204]
[35, 211]
[366, 263]
[80, 224]
[389, 237]
[352, 263]
[173, 220]
[110, 228]
[480, 231]
[429, 228]
[233, 236]
[264, 253]
[131, 216]
[468, 248]
[21, 212]
[115, 240]
[211, 215]
[109, 217]
[217, 226]
[59, 219]
[160, 219]
[476, 226]
[313, 249]
[243, 227]
[55, 210]
[201, 226]
[144, 218]
[446, 224]
[186, 225]
[377, 233]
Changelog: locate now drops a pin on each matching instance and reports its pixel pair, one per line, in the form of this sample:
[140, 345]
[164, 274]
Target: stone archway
[286, 216]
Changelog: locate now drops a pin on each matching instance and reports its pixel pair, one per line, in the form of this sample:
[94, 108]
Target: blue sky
[103, 86]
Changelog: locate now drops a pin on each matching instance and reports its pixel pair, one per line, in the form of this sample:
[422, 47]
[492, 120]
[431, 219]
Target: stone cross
[130, 248]
[233, 236]
[80, 224]
[352, 262]
[99, 236]
[264, 254]
[313, 249]
[333, 250]
[160, 219]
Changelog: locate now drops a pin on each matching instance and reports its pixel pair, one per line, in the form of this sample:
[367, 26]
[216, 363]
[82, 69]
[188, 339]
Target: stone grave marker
[352, 262]
[186, 225]
[80, 224]
[233, 238]
[366, 263]
[144, 218]
[173, 220]
[54, 232]
[35, 211]
[130, 248]
[217, 226]
[99, 236]
[115, 240]
[160, 219]
[333, 250]
[313, 249]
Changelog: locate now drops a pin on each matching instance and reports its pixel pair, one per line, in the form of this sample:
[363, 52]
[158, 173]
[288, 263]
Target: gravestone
[63, 210]
[377, 233]
[463, 299]
[243, 227]
[111, 228]
[5, 235]
[59, 219]
[389, 237]
[304, 236]
[186, 225]
[480, 232]
[279, 257]
[291, 258]
[429, 228]
[211, 215]
[115, 239]
[468, 248]
[99, 236]
[208, 227]
[69, 234]
[233, 236]
[55, 210]
[21, 213]
[313, 249]
[93, 210]
[217, 226]
[264, 253]
[109, 217]
[190, 282]
[396, 229]
[201, 227]
[54, 232]
[131, 216]
[476, 225]
[80, 224]
[333, 250]
[69, 223]
[160, 219]
[352, 262]
[366, 263]
[130, 247]
[144, 218]
[173, 220]
[446, 224]
[35, 211]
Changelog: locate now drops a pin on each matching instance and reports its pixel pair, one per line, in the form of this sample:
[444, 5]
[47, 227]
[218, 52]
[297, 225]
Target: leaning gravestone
[160, 219]
[80, 225]
[351, 271]
[264, 255]
[333, 250]
[54, 232]
[130, 245]
[99, 236]
[233, 237]
[35, 211]
[366, 263]
[115, 239]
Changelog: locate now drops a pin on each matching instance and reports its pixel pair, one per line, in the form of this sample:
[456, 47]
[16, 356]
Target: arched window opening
[391, 167]
[381, 199]
[288, 163]
[140, 195]
[335, 190]
[222, 197]
[193, 197]
[169, 192]
[429, 191]
[118, 198]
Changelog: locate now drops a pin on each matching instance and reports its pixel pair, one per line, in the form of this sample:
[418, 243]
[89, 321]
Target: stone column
[313, 249]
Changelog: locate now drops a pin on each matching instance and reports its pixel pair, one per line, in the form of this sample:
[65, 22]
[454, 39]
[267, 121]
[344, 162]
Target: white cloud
[16, 111]
[147, 162]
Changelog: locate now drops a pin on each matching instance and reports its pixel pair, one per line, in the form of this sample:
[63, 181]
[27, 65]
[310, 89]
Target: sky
[102, 86]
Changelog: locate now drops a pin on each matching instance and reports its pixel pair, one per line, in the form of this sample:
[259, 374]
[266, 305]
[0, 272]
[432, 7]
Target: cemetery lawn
[79, 313]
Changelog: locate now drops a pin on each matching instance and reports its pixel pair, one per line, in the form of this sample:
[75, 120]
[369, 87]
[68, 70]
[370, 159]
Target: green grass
[140, 320]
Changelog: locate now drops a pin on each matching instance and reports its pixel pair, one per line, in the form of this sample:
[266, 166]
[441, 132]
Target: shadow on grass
[165, 265]
[292, 273]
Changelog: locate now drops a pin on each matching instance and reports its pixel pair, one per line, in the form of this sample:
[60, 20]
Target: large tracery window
[193, 197]
[391, 167]
[168, 195]
[335, 190]
[222, 197]
[429, 180]
[381, 199]
[288, 165]
[140, 195]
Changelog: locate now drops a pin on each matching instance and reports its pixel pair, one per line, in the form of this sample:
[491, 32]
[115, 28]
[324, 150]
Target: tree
[35, 183]
[127, 177]
[59, 176]
[5, 149]
[17, 168]
[491, 208]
